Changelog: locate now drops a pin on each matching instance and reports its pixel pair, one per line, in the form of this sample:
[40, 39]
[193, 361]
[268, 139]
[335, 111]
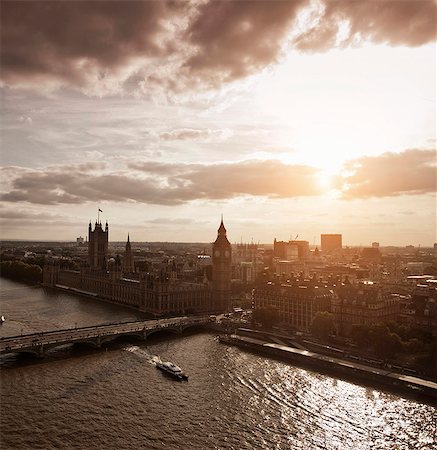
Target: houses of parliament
[159, 292]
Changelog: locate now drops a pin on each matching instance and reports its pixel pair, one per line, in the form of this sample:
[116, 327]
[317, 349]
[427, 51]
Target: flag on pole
[100, 210]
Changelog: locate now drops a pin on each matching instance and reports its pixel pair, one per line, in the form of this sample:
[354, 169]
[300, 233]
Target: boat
[2, 319]
[172, 369]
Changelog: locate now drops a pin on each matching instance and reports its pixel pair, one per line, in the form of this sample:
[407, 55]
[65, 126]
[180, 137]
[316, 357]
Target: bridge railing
[72, 334]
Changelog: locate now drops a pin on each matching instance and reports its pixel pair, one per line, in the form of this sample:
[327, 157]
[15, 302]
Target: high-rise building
[330, 242]
[98, 246]
[221, 270]
[291, 250]
[128, 260]
[285, 250]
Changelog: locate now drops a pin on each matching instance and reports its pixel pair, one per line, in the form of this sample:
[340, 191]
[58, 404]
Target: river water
[116, 399]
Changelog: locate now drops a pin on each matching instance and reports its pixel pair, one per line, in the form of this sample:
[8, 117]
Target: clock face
[217, 253]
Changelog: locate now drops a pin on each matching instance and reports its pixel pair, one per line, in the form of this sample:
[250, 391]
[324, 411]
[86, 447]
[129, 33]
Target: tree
[20, 271]
[267, 317]
[413, 346]
[384, 342]
[323, 324]
[360, 334]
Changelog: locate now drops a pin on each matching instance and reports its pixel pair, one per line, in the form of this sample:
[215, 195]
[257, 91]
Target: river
[116, 399]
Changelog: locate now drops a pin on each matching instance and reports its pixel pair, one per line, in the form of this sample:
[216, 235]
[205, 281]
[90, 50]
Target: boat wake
[143, 354]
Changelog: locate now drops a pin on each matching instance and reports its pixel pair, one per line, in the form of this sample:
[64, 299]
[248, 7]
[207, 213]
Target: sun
[324, 181]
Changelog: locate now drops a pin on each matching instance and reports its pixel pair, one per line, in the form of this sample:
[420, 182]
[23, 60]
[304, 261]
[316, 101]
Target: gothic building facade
[221, 269]
[128, 260]
[159, 293]
[98, 246]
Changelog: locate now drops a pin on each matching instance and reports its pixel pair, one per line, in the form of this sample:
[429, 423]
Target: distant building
[291, 250]
[415, 268]
[303, 249]
[424, 306]
[330, 242]
[371, 254]
[375, 244]
[296, 303]
[363, 304]
[221, 269]
[245, 253]
[128, 260]
[79, 240]
[158, 292]
[98, 246]
[246, 262]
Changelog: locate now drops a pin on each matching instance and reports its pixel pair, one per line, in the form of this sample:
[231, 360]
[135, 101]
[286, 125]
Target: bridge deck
[71, 335]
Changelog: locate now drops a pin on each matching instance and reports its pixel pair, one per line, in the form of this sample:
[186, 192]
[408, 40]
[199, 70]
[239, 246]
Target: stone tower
[221, 270]
[128, 260]
[98, 246]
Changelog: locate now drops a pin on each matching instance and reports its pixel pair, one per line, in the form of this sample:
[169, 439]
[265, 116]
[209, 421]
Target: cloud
[14, 214]
[184, 134]
[160, 183]
[390, 174]
[66, 40]
[406, 22]
[25, 119]
[235, 38]
[411, 172]
[108, 46]
[174, 221]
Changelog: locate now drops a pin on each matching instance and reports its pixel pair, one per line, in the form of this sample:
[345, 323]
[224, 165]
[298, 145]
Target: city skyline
[294, 119]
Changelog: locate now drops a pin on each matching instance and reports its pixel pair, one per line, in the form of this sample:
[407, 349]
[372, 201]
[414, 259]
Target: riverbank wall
[420, 389]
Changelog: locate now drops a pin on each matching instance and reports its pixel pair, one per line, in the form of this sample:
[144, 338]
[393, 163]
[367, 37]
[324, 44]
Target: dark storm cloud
[82, 43]
[391, 174]
[163, 184]
[236, 38]
[60, 40]
[405, 22]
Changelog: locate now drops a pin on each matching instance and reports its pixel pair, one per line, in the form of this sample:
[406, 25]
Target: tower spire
[128, 260]
[222, 230]
[221, 269]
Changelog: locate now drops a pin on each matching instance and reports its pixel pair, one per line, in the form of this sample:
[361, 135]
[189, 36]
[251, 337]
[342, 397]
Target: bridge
[95, 336]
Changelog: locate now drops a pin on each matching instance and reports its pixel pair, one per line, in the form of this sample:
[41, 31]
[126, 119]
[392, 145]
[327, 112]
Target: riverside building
[296, 302]
[159, 292]
[364, 303]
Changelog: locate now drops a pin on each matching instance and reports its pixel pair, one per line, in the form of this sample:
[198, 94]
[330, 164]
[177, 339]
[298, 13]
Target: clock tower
[221, 271]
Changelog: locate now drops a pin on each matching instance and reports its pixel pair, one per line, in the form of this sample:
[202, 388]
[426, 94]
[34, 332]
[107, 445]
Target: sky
[288, 117]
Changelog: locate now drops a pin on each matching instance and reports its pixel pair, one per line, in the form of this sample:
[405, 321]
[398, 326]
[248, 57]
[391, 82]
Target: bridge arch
[38, 352]
[173, 330]
[93, 343]
[118, 337]
[191, 325]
